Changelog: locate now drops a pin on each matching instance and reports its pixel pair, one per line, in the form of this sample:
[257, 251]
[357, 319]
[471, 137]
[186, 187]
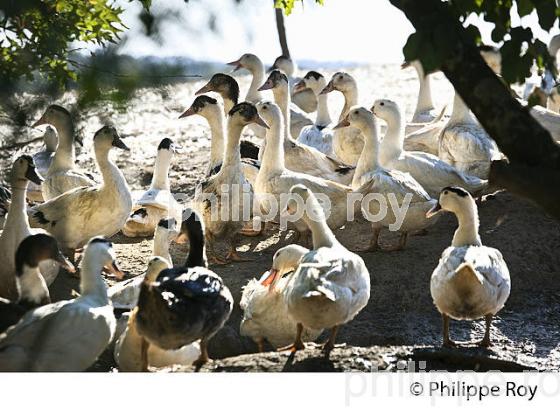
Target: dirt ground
[400, 320]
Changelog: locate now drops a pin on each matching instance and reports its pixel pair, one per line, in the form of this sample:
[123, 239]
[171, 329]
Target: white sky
[341, 30]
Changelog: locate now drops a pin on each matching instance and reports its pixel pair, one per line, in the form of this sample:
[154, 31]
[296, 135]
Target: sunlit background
[358, 31]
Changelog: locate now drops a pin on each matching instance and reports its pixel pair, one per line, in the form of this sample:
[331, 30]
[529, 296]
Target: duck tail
[466, 276]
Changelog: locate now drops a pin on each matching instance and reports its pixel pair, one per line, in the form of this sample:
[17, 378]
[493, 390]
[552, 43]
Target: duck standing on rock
[184, 304]
[471, 280]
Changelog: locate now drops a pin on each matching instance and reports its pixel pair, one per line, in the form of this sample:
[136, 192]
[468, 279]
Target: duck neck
[31, 285]
[369, 158]
[350, 99]
[232, 155]
[320, 231]
[282, 98]
[112, 176]
[65, 155]
[160, 179]
[161, 246]
[273, 157]
[254, 95]
[228, 105]
[91, 282]
[17, 213]
[216, 123]
[425, 102]
[323, 117]
[461, 113]
[393, 142]
[467, 232]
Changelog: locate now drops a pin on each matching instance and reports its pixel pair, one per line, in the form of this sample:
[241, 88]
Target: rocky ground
[400, 323]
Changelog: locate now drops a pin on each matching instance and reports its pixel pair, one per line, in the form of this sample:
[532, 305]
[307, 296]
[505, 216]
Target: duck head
[59, 117]
[284, 64]
[101, 250]
[340, 81]
[166, 231]
[452, 199]
[284, 260]
[248, 61]
[204, 106]
[223, 84]
[246, 113]
[167, 146]
[357, 117]
[107, 137]
[156, 264]
[24, 170]
[387, 110]
[276, 79]
[312, 80]
[269, 112]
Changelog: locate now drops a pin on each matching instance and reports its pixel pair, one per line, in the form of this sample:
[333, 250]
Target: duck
[127, 352]
[425, 110]
[274, 180]
[265, 313]
[5, 200]
[211, 110]
[406, 191]
[228, 88]
[158, 201]
[17, 228]
[184, 304]
[319, 135]
[228, 191]
[68, 335]
[300, 157]
[471, 280]
[62, 174]
[31, 287]
[304, 99]
[331, 285]
[465, 145]
[430, 171]
[42, 161]
[347, 142]
[298, 117]
[82, 213]
[124, 295]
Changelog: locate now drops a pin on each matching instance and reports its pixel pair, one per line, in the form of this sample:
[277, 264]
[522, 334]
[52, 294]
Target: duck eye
[445, 192]
[382, 104]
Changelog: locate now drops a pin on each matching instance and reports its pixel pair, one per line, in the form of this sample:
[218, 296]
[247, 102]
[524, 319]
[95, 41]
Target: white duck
[82, 213]
[211, 196]
[464, 143]
[31, 287]
[128, 349]
[42, 160]
[212, 111]
[68, 335]
[16, 229]
[305, 99]
[158, 201]
[265, 313]
[471, 280]
[347, 142]
[320, 134]
[298, 117]
[275, 180]
[124, 295]
[424, 111]
[430, 171]
[398, 188]
[62, 174]
[300, 157]
[331, 284]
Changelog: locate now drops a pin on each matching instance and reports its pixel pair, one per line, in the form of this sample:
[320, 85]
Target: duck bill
[342, 124]
[236, 64]
[266, 86]
[435, 210]
[187, 113]
[328, 88]
[207, 88]
[114, 270]
[299, 87]
[33, 176]
[270, 279]
[404, 65]
[259, 121]
[118, 143]
[65, 263]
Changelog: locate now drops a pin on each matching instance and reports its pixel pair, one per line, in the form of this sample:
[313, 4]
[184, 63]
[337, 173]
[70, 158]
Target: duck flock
[57, 214]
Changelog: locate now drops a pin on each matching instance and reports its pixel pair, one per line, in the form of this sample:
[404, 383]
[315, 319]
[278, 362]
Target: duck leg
[400, 246]
[260, 345]
[145, 345]
[232, 254]
[485, 342]
[298, 343]
[447, 342]
[203, 358]
[374, 242]
[212, 257]
[327, 347]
